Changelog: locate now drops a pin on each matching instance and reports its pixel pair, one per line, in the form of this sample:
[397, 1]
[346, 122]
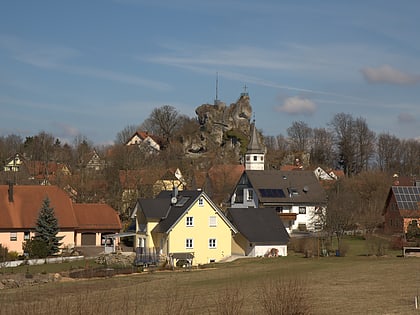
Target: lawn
[355, 284]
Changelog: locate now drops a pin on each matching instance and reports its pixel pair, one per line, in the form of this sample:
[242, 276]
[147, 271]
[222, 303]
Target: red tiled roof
[96, 216]
[27, 202]
[23, 211]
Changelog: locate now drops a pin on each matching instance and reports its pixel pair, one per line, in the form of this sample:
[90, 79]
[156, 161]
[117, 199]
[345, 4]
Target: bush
[230, 301]
[284, 297]
[377, 246]
[343, 249]
[36, 248]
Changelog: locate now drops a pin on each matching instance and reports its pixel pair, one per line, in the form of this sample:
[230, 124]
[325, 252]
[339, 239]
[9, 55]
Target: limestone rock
[216, 120]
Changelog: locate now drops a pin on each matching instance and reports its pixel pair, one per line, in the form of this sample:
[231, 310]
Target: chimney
[10, 192]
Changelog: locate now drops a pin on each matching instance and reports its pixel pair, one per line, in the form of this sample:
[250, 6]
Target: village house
[297, 195]
[402, 208]
[145, 140]
[183, 226]
[79, 224]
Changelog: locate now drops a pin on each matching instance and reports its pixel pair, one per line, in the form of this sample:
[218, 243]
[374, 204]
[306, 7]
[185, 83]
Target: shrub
[377, 246]
[284, 297]
[343, 249]
[36, 248]
[230, 301]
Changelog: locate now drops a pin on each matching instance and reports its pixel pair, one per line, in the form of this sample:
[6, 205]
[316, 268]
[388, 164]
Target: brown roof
[96, 216]
[27, 202]
[23, 211]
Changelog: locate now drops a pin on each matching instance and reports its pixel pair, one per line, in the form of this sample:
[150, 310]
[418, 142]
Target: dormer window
[201, 201]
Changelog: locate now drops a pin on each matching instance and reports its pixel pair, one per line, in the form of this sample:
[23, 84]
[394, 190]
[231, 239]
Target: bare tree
[124, 135]
[365, 144]
[322, 147]
[162, 121]
[282, 143]
[410, 157]
[10, 145]
[300, 135]
[340, 214]
[388, 153]
[342, 126]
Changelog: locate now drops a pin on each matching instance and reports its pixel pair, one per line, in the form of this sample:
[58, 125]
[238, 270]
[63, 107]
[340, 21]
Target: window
[201, 201]
[13, 236]
[255, 157]
[189, 243]
[279, 209]
[250, 195]
[302, 210]
[247, 158]
[26, 235]
[212, 243]
[213, 221]
[189, 221]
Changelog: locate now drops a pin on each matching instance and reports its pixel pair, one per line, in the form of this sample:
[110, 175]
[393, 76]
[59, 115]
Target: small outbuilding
[261, 232]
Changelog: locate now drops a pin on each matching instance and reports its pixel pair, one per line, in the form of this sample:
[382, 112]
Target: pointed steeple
[254, 145]
[254, 157]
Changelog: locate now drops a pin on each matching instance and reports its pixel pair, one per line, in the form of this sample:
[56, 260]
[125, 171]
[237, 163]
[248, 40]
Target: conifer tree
[46, 229]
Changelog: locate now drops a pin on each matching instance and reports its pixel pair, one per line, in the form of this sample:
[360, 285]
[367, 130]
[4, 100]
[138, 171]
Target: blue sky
[91, 68]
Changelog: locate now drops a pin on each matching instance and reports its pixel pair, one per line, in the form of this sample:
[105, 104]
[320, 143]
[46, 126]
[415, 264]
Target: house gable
[401, 208]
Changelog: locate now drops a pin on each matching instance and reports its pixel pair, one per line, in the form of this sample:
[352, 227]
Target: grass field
[355, 284]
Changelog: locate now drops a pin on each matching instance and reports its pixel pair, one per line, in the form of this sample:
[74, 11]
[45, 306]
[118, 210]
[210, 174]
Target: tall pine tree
[46, 229]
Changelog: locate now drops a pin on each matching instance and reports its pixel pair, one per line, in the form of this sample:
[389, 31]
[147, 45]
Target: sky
[93, 67]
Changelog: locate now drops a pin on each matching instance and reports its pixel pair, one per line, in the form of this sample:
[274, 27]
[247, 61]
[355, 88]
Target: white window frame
[213, 221]
[212, 243]
[189, 221]
[302, 210]
[201, 202]
[13, 236]
[250, 195]
[189, 243]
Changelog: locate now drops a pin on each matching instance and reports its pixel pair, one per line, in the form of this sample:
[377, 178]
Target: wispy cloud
[406, 118]
[62, 59]
[297, 105]
[388, 74]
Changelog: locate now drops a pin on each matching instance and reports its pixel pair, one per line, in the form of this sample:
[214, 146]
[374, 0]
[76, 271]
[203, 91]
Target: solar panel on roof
[408, 198]
[272, 193]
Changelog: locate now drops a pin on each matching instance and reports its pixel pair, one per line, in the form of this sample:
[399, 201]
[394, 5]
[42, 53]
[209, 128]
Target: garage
[88, 239]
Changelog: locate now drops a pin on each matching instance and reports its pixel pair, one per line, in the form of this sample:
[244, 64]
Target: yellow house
[184, 226]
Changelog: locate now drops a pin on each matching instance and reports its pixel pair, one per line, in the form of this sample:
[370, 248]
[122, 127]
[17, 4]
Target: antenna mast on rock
[216, 101]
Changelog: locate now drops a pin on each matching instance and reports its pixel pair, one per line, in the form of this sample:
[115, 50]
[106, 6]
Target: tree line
[346, 143]
[349, 144]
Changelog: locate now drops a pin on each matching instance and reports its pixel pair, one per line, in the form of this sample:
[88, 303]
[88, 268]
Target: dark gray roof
[286, 187]
[259, 225]
[185, 198]
[155, 208]
[254, 145]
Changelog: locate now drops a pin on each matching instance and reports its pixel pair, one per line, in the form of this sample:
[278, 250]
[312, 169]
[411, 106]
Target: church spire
[254, 157]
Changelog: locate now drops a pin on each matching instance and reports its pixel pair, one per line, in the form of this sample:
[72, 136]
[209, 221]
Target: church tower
[255, 155]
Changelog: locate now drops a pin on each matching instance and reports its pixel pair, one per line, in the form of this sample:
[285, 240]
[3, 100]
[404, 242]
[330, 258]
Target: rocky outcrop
[12, 281]
[217, 120]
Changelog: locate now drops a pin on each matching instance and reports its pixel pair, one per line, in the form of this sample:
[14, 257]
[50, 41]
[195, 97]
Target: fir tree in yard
[46, 229]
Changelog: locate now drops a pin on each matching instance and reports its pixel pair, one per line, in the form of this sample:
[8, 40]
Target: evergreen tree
[46, 229]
